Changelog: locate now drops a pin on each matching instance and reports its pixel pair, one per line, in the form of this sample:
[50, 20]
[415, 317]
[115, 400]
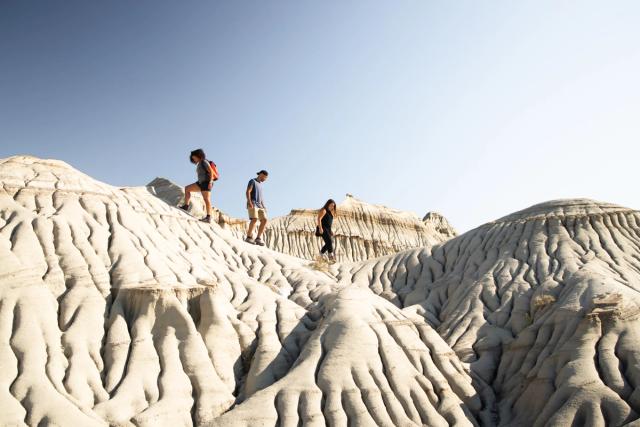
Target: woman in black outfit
[204, 184]
[323, 228]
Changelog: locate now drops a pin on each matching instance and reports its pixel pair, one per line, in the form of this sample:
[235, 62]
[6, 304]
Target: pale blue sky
[471, 108]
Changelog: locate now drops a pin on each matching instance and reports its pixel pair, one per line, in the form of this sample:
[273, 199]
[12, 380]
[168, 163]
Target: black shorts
[204, 186]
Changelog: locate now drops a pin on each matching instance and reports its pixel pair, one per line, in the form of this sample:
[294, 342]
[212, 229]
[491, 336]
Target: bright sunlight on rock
[117, 308]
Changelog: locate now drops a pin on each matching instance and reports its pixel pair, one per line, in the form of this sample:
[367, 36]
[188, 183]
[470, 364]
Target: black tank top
[327, 220]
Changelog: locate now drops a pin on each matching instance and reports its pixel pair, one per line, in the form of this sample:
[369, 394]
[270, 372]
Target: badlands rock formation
[174, 195]
[118, 309]
[362, 231]
[543, 305]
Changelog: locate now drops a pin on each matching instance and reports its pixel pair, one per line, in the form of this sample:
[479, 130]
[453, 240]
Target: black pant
[328, 242]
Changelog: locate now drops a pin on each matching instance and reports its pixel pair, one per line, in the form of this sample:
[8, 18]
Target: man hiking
[256, 208]
[204, 184]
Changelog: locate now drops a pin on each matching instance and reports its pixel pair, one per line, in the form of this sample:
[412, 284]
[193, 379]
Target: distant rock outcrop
[361, 231]
[439, 223]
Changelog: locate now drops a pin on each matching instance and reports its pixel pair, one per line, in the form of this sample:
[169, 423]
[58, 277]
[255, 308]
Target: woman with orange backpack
[207, 173]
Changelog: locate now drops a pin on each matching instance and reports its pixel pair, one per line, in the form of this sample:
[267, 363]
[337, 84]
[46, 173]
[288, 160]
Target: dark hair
[326, 206]
[197, 153]
[263, 172]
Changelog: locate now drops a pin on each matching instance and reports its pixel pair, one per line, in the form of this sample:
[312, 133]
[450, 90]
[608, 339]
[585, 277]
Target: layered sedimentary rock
[542, 303]
[118, 309]
[361, 231]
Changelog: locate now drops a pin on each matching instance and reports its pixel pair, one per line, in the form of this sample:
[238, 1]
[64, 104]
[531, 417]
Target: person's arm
[249, 189]
[321, 214]
[334, 217]
[210, 169]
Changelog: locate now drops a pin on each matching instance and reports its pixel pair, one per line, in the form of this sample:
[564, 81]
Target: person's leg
[252, 224]
[262, 215]
[327, 242]
[263, 224]
[206, 195]
[188, 190]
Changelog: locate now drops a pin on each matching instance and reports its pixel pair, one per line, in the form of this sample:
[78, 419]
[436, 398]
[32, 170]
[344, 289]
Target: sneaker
[250, 240]
[332, 259]
[184, 207]
[206, 219]
[259, 242]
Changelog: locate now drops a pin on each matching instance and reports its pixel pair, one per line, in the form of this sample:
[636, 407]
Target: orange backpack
[214, 171]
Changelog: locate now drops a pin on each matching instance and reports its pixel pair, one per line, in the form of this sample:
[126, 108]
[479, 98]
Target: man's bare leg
[263, 224]
[252, 224]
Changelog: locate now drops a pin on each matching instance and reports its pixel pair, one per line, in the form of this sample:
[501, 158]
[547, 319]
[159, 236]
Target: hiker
[206, 175]
[324, 223]
[255, 206]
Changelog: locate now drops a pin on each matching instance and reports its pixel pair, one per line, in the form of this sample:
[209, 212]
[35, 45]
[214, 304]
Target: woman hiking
[204, 184]
[324, 223]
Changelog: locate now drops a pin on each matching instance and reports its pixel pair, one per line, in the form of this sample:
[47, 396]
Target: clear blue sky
[474, 109]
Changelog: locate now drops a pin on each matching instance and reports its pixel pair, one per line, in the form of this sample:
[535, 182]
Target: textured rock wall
[362, 231]
[117, 309]
[542, 303]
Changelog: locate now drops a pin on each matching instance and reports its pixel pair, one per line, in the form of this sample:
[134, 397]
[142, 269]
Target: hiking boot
[206, 219]
[250, 240]
[184, 207]
[259, 242]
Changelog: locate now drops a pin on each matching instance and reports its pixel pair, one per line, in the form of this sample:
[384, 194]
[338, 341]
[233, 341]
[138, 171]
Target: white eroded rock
[362, 231]
[118, 309]
[542, 303]
[173, 194]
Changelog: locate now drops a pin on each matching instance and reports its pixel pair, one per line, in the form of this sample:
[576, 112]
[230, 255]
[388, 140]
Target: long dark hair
[197, 153]
[326, 207]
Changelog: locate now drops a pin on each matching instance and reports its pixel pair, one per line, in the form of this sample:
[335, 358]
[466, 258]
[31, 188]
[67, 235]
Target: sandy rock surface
[118, 309]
